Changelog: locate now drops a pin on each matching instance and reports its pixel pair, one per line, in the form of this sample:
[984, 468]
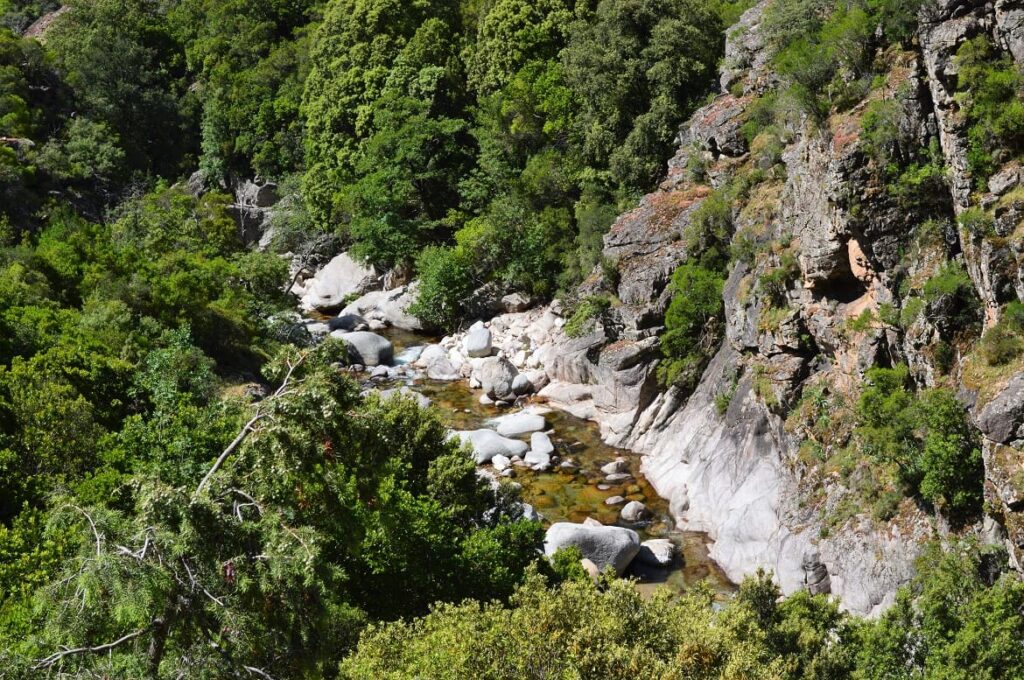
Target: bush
[1004, 341]
[586, 312]
[446, 282]
[692, 325]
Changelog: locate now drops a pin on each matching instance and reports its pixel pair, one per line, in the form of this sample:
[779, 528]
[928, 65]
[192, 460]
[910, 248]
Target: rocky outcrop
[332, 287]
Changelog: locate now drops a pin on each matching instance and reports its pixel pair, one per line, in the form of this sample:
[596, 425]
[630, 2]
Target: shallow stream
[576, 494]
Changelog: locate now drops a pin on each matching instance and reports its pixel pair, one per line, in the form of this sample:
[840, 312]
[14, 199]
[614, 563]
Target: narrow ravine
[574, 489]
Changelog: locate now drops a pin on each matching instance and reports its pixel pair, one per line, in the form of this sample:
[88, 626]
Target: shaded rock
[487, 444]
[496, 375]
[657, 552]
[603, 545]
[369, 349]
[515, 302]
[521, 385]
[346, 322]
[388, 307]
[1002, 419]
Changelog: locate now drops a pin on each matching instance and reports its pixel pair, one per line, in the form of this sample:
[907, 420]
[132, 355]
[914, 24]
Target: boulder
[521, 385]
[657, 552]
[514, 303]
[516, 424]
[496, 375]
[369, 349]
[635, 511]
[346, 322]
[388, 307]
[487, 444]
[337, 281]
[477, 342]
[501, 462]
[434, 358]
[1002, 419]
[540, 443]
[616, 466]
[601, 545]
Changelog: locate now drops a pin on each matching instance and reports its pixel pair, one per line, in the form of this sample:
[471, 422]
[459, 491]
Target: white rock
[635, 511]
[537, 461]
[500, 462]
[603, 546]
[515, 424]
[486, 444]
[477, 342]
[657, 552]
[340, 278]
[617, 465]
[614, 500]
[540, 443]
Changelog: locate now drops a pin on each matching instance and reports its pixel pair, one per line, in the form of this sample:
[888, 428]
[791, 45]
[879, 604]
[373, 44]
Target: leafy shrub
[1004, 341]
[587, 311]
[692, 323]
[446, 282]
[952, 301]
[990, 84]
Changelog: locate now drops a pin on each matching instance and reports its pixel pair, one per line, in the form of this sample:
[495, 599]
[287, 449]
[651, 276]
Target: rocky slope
[728, 455]
[850, 261]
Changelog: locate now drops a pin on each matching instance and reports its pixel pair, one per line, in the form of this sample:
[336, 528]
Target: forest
[188, 490]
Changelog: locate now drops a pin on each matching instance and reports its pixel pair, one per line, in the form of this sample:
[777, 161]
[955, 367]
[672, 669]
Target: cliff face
[729, 455]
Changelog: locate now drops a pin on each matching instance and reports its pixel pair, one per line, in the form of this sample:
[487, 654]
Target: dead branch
[58, 656]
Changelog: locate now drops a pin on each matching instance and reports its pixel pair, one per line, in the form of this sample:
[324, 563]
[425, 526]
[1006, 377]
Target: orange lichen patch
[658, 210]
[845, 131]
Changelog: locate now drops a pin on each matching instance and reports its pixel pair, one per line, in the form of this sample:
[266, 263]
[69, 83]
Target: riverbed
[577, 493]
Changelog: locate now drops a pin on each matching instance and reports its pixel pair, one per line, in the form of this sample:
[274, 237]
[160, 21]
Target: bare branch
[248, 428]
[258, 671]
[95, 532]
[57, 656]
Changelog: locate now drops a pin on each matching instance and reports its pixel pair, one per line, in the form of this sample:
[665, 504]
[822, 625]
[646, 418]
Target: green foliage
[1004, 341]
[578, 630]
[952, 301]
[141, 95]
[826, 49]
[587, 311]
[636, 67]
[446, 282]
[989, 85]
[692, 325]
[927, 436]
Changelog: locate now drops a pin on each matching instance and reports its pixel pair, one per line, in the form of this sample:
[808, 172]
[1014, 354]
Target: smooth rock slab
[516, 424]
[340, 278]
[601, 545]
[487, 444]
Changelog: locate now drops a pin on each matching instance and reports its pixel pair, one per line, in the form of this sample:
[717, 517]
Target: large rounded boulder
[496, 375]
[369, 349]
[487, 444]
[600, 544]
